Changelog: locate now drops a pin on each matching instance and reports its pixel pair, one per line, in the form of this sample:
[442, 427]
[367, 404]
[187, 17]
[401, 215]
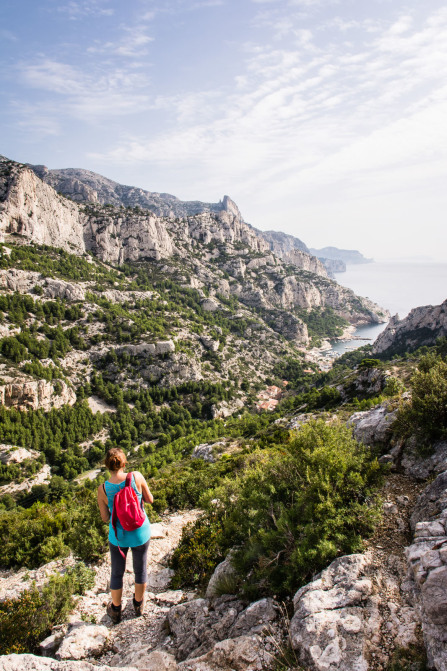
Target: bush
[426, 414]
[25, 621]
[294, 509]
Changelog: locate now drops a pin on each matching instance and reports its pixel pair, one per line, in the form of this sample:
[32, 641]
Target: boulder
[197, 625]
[245, 653]
[339, 615]
[373, 426]
[257, 618]
[210, 344]
[223, 574]
[139, 654]
[210, 305]
[421, 466]
[204, 451]
[87, 640]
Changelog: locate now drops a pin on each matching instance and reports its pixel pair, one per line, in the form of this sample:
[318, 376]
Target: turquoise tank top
[126, 539]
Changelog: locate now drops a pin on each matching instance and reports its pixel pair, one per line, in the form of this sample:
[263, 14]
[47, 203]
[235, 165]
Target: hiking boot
[115, 615]
[139, 606]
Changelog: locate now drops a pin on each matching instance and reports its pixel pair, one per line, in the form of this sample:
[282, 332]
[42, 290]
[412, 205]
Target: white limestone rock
[339, 615]
[143, 657]
[35, 211]
[244, 653]
[422, 326]
[87, 640]
[224, 572]
[11, 454]
[210, 305]
[373, 426]
[36, 394]
[42, 477]
[34, 663]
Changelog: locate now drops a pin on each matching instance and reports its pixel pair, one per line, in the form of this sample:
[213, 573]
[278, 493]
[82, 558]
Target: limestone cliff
[282, 243]
[423, 326]
[36, 394]
[32, 209]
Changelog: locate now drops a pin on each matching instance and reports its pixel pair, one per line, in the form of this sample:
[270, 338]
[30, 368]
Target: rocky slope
[422, 326]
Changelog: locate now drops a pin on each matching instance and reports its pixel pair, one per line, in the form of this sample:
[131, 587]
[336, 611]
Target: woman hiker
[137, 540]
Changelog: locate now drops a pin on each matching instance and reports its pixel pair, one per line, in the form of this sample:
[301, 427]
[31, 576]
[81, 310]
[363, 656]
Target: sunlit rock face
[422, 326]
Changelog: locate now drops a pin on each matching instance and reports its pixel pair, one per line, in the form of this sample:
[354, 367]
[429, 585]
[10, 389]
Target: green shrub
[426, 414]
[293, 510]
[25, 621]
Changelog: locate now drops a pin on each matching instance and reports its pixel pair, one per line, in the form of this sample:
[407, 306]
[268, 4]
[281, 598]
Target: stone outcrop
[339, 617]
[199, 624]
[373, 427]
[427, 569]
[36, 394]
[422, 326]
[24, 281]
[222, 574]
[11, 454]
[371, 381]
[34, 663]
[32, 209]
[148, 349]
[40, 478]
[81, 641]
[306, 262]
[121, 236]
[244, 653]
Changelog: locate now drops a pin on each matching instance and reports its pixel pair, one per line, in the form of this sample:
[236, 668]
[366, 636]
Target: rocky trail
[133, 637]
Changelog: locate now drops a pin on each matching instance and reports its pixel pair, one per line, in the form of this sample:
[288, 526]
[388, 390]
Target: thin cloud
[132, 45]
[77, 10]
[88, 96]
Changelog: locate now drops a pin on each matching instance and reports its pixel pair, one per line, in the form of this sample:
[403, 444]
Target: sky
[325, 119]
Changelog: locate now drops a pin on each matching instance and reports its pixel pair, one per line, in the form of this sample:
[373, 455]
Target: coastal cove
[396, 285]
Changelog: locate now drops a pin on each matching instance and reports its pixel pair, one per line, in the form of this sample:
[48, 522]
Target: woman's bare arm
[143, 488]
[103, 505]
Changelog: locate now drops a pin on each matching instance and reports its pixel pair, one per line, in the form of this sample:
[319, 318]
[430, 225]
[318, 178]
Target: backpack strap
[115, 515]
[128, 484]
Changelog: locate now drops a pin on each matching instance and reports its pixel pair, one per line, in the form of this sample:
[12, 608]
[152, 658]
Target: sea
[398, 286]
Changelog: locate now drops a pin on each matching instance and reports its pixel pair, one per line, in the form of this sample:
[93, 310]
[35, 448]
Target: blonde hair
[115, 459]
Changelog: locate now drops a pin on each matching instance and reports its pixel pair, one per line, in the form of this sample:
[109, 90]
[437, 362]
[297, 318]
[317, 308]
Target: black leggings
[139, 559]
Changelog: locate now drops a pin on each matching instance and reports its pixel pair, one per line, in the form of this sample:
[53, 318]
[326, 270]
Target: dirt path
[389, 568]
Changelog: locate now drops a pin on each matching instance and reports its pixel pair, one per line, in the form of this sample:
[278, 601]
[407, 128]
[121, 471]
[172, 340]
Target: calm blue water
[397, 286]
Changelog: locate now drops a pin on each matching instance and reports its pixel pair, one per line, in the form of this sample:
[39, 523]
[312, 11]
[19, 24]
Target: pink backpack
[127, 509]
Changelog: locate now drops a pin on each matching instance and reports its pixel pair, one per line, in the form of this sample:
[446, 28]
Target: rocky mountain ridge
[422, 326]
[85, 186]
[217, 251]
